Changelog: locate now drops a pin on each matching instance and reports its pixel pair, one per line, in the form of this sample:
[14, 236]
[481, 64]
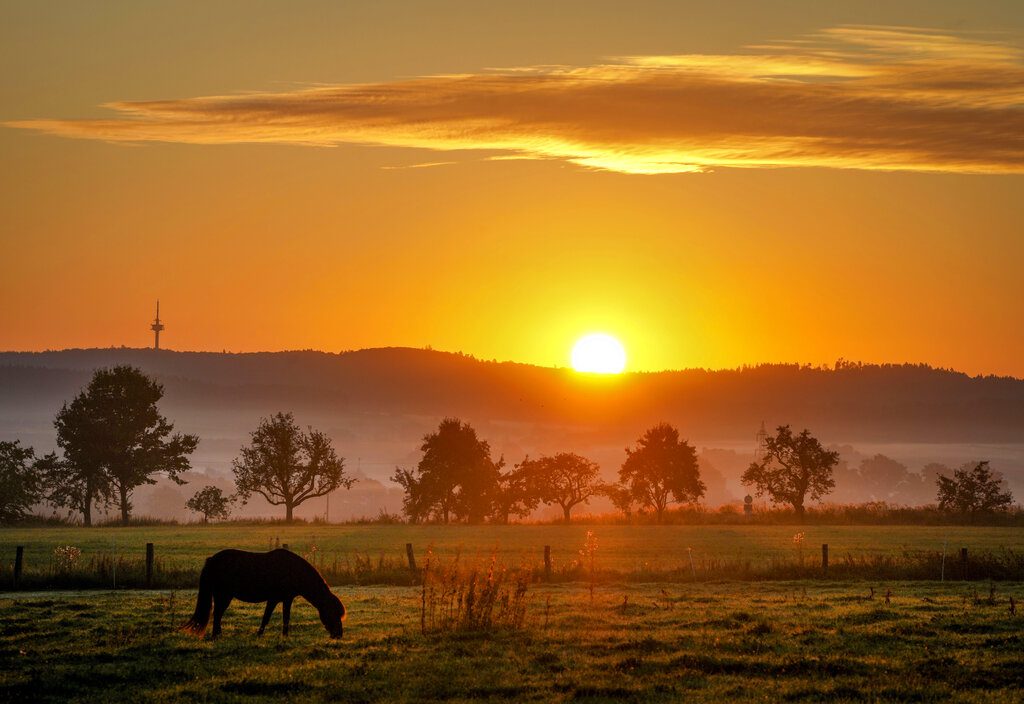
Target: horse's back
[232, 556]
[259, 576]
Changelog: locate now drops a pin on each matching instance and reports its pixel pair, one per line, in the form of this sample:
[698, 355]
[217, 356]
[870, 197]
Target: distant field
[621, 549]
[780, 641]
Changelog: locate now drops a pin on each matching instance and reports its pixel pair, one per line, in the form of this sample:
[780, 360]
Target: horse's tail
[204, 603]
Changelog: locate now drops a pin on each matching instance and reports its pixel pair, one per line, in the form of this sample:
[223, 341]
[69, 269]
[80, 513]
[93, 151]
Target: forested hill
[900, 403]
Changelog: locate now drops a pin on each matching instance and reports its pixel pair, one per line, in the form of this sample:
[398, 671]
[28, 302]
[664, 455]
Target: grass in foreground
[794, 641]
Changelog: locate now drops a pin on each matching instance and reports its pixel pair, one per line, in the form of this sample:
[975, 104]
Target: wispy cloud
[424, 165]
[884, 98]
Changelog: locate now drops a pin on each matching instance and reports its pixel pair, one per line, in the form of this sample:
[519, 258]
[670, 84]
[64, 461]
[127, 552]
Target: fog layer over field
[376, 405]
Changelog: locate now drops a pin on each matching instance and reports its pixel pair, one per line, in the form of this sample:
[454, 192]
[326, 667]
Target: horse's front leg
[220, 605]
[286, 613]
[271, 605]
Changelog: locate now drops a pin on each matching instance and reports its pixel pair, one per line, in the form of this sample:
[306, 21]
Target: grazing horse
[276, 577]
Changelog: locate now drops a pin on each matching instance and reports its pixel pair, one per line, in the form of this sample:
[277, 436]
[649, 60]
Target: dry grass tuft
[476, 598]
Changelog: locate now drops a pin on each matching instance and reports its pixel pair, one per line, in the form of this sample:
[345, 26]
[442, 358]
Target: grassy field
[376, 553]
[779, 641]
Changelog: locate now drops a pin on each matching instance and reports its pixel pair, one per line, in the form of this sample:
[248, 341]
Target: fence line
[148, 573]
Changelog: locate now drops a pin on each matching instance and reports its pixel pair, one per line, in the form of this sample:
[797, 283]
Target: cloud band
[850, 97]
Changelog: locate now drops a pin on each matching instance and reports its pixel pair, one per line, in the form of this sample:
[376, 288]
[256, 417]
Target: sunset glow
[598, 353]
[463, 286]
[792, 188]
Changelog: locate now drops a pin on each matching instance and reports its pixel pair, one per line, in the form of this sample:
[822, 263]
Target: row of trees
[882, 478]
[113, 439]
[458, 479]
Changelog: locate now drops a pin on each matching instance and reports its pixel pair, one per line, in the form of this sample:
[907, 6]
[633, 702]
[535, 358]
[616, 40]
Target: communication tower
[156, 327]
[760, 443]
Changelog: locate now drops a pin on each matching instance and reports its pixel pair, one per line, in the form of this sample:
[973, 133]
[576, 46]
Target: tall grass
[475, 598]
[465, 588]
[106, 570]
[444, 582]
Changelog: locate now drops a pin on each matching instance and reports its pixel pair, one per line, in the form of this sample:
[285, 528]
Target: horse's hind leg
[220, 605]
[286, 613]
[271, 605]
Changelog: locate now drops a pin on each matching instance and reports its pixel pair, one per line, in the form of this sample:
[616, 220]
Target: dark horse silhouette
[276, 577]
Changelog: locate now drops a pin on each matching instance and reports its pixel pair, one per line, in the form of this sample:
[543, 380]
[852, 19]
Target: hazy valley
[377, 404]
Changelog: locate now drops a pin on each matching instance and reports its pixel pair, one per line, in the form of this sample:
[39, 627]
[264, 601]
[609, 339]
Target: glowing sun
[598, 353]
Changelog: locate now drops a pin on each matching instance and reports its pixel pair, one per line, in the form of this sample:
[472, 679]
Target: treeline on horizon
[900, 402]
[19, 358]
[113, 439]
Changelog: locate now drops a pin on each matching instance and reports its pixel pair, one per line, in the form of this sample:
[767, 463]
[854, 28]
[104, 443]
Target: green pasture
[775, 641]
[620, 547]
[377, 553]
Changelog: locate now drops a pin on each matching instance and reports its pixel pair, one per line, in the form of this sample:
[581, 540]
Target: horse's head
[331, 615]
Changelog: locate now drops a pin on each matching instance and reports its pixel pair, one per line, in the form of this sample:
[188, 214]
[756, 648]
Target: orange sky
[831, 181]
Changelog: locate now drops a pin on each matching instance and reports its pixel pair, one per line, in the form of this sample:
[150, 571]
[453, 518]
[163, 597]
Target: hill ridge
[849, 401]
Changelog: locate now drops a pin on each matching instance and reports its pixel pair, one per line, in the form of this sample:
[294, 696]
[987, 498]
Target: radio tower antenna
[760, 444]
[156, 327]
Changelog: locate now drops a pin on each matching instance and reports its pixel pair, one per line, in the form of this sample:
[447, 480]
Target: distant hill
[377, 404]
[849, 403]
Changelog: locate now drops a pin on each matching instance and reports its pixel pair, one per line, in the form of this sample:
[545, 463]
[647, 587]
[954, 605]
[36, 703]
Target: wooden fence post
[19, 562]
[824, 559]
[547, 563]
[149, 565]
[412, 557]
[963, 562]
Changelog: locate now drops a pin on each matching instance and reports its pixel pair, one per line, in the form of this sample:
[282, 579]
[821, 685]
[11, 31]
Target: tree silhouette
[565, 479]
[79, 478]
[884, 478]
[793, 468]
[416, 502]
[211, 502]
[661, 469]
[114, 440]
[455, 479]
[973, 490]
[21, 485]
[515, 495]
[286, 466]
[74, 483]
[622, 498]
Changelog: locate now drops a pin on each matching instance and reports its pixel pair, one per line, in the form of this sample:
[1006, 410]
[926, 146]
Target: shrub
[66, 557]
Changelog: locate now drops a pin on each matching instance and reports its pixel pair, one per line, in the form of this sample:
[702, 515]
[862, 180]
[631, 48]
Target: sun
[598, 353]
